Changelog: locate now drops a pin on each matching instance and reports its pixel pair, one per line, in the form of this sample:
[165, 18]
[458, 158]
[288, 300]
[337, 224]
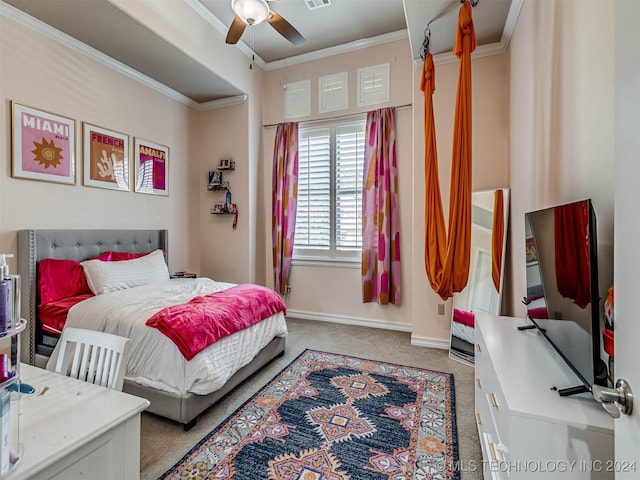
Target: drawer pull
[494, 451]
[478, 347]
[494, 400]
[479, 419]
[478, 383]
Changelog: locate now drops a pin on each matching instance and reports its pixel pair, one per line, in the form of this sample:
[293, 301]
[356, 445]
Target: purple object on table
[4, 304]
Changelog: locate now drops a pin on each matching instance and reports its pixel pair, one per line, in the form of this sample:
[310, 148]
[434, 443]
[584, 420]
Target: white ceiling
[344, 25]
[343, 21]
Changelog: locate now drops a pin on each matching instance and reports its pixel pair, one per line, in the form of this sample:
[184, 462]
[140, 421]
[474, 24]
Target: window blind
[313, 218]
[349, 164]
[329, 212]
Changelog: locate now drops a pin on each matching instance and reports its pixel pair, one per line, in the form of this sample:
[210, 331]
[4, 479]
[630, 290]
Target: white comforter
[154, 360]
[465, 332]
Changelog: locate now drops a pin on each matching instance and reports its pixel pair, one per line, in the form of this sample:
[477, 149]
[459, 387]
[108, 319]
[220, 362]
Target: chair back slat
[100, 377]
[98, 357]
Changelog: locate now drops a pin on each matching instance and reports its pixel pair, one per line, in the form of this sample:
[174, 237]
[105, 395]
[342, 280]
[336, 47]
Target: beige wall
[44, 74]
[52, 77]
[543, 125]
[229, 132]
[334, 293]
[490, 166]
[224, 251]
[561, 121]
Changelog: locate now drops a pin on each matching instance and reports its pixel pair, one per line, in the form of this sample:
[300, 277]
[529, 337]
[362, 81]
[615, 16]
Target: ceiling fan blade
[284, 28]
[235, 30]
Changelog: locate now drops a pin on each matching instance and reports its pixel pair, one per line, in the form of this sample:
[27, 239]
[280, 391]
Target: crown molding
[48, 31]
[223, 102]
[510, 23]
[482, 51]
[205, 13]
[339, 49]
[496, 48]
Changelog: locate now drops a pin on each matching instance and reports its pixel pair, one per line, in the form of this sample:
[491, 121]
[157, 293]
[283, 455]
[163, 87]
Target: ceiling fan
[253, 12]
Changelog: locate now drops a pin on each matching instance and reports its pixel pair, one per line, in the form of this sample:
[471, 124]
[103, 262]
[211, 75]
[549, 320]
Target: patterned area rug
[334, 417]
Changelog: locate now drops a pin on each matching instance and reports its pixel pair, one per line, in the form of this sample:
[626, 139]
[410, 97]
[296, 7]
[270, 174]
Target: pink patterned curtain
[283, 201]
[380, 216]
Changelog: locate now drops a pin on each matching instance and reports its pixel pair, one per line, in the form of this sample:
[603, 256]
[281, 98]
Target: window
[329, 211]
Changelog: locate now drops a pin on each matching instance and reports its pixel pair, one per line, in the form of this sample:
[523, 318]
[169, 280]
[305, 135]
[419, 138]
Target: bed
[462, 333]
[179, 403]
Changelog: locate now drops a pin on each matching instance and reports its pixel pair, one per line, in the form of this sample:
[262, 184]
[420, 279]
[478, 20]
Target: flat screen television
[562, 287]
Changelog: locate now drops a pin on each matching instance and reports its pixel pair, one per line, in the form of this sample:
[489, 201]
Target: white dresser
[526, 429]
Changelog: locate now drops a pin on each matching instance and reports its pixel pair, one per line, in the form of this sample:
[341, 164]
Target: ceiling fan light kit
[252, 12]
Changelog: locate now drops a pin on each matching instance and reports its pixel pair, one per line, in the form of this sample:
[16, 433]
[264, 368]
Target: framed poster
[105, 158]
[42, 145]
[151, 167]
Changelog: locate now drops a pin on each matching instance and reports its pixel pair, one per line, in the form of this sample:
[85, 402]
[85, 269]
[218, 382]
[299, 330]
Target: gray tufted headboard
[78, 245]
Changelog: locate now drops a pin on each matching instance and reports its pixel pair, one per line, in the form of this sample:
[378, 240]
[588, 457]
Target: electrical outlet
[441, 309]
[287, 289]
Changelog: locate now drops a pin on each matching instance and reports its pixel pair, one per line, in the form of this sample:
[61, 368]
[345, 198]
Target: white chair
[98, 357]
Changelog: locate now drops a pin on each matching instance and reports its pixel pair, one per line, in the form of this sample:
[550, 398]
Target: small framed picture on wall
[42, 145]
[215, 178]
[151, 167]
[105, 158]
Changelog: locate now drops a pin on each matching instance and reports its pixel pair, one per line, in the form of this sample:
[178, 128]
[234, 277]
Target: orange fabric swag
[447, 257]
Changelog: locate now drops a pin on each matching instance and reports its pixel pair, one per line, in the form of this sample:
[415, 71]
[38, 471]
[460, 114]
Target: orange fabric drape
[435, 247]
[497, 237]
[447, 257]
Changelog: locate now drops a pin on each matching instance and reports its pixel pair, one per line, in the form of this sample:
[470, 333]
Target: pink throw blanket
[195, 325]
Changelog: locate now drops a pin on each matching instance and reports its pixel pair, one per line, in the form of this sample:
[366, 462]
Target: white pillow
[104, 277]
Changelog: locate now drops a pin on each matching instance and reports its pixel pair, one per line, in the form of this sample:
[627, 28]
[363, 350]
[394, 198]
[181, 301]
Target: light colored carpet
[164, 442]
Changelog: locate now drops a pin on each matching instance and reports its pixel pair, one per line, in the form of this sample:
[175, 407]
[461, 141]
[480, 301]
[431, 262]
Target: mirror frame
[461, 343]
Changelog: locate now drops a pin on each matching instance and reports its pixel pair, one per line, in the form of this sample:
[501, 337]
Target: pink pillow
[118, 256]
[60, 279]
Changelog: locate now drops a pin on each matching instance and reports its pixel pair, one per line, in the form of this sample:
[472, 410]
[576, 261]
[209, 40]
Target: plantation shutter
[349, 164]
[329, 213]
[313, 218]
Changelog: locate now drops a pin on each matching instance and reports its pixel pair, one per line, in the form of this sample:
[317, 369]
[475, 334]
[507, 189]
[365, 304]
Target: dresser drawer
[495, 458]
[490, 402]
[498, 409]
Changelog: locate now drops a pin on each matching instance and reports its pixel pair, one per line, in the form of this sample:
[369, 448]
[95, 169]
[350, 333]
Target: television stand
[565, 392]
[523, 423]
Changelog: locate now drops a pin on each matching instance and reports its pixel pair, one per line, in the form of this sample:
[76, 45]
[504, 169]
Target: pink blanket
[195, 325]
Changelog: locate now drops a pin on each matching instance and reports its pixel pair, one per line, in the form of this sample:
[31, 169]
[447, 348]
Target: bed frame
[79, 245]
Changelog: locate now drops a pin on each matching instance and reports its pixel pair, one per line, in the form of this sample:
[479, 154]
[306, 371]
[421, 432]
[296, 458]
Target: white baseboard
[429, 342]
[371, 323]
[349, 320]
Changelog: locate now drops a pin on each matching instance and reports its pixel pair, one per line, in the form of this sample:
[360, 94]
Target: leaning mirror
[489, 217]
